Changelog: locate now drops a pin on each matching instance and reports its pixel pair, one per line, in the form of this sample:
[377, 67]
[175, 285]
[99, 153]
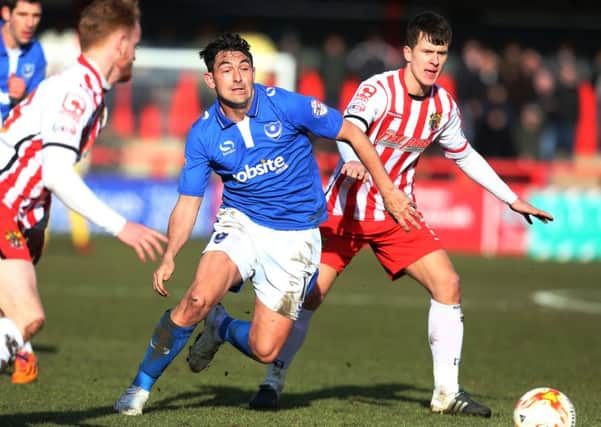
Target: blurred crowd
[515, 101]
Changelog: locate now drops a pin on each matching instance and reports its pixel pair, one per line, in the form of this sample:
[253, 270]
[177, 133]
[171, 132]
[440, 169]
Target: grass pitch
[366, 361]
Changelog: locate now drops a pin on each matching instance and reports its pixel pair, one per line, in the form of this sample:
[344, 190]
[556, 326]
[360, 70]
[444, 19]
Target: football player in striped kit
[42, 139]
[402, 111]
[22, 68]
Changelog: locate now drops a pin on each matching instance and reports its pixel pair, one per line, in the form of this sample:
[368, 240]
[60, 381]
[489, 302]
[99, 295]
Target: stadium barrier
[466, 217]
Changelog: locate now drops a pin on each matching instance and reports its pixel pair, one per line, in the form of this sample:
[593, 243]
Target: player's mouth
[431, 74]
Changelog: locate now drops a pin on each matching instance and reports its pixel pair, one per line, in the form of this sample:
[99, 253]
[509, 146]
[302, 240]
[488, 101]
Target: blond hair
[102, 17]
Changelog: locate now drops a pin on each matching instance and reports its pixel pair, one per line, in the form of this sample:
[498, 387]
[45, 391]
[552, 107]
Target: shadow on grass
[220, 396]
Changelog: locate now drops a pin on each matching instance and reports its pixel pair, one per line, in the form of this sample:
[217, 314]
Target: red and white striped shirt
[401, 128]
[67, 110]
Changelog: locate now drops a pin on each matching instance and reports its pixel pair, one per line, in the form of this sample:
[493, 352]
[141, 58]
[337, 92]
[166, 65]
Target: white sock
[10, 340]
[445, 333]
[276, 371]
[27, 347]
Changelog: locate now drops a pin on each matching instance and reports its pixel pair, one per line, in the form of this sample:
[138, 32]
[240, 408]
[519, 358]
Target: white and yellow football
[544, 407]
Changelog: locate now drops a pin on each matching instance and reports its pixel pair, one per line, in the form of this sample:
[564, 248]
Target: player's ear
[5, 13]
[122, 44]
[209, 81]
[407, 53]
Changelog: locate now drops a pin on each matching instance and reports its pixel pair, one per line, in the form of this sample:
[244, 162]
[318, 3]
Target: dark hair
[227, 42]
[11, 4]
[101, 17]
[434, 27]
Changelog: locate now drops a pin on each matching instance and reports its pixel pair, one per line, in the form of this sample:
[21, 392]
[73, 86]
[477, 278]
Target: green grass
[366, 360]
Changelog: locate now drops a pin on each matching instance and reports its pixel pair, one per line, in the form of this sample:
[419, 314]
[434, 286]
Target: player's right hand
[16, 88]
[162, 274]
[145, 241]
[403, 210]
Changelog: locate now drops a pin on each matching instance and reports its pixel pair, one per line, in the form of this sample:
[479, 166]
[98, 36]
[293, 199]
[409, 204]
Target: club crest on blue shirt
[270, 91]
[28, 70]
[273, 129]
[319, 108]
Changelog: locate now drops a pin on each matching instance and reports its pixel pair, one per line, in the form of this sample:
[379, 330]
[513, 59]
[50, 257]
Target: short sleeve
[196, 171]
[66, 113]
[366, 104]
[310, 114]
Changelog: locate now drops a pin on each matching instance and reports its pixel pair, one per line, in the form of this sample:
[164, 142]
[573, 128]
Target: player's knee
[265, 356]
[448, 289]
[264, 352]
[33, 327]
[196, 307]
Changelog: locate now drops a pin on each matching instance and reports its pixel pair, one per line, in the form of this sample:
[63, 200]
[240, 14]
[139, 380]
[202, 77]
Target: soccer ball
[544, 407]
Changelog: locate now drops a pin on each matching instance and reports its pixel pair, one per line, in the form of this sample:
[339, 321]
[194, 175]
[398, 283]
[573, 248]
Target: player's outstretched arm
[398, 205]
[145, 241]
[60, 177]
[526, 209]
[181, 223]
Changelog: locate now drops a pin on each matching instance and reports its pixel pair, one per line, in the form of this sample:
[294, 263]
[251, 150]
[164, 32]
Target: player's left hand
[527, 210]
[355, 169]
[16, 88]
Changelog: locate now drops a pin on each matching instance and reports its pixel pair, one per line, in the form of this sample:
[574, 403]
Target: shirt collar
[253, 111]
[93, 68]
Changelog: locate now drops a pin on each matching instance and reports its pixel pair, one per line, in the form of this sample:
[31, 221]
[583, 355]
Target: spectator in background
[568, 109]
[513, 78]
[373, 56]
[494, 136]
[470, 88]
[22, 68]
[546, 98]
[528, 131]
[333, 67]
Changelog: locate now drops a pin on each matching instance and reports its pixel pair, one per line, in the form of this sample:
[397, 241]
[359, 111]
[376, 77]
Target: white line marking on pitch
[566, 299]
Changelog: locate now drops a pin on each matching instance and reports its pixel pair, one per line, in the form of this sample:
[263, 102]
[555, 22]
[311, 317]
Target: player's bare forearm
[181, 223]
[526, 209]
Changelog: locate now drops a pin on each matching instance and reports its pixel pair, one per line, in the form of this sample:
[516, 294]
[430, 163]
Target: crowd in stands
[516, 102]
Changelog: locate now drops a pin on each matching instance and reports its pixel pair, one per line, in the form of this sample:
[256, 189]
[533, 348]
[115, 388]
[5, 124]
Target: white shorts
[280, 264]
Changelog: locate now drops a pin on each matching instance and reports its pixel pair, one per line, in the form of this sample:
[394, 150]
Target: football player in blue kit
[255, 138]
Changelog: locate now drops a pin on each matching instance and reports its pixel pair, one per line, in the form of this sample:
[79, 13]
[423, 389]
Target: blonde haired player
[42, 139]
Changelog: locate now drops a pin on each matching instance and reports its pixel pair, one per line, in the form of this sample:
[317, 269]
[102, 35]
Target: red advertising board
[470, 220]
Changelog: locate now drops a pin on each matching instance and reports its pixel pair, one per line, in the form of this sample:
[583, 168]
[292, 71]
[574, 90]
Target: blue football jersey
[266, 161]
[31, 66]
